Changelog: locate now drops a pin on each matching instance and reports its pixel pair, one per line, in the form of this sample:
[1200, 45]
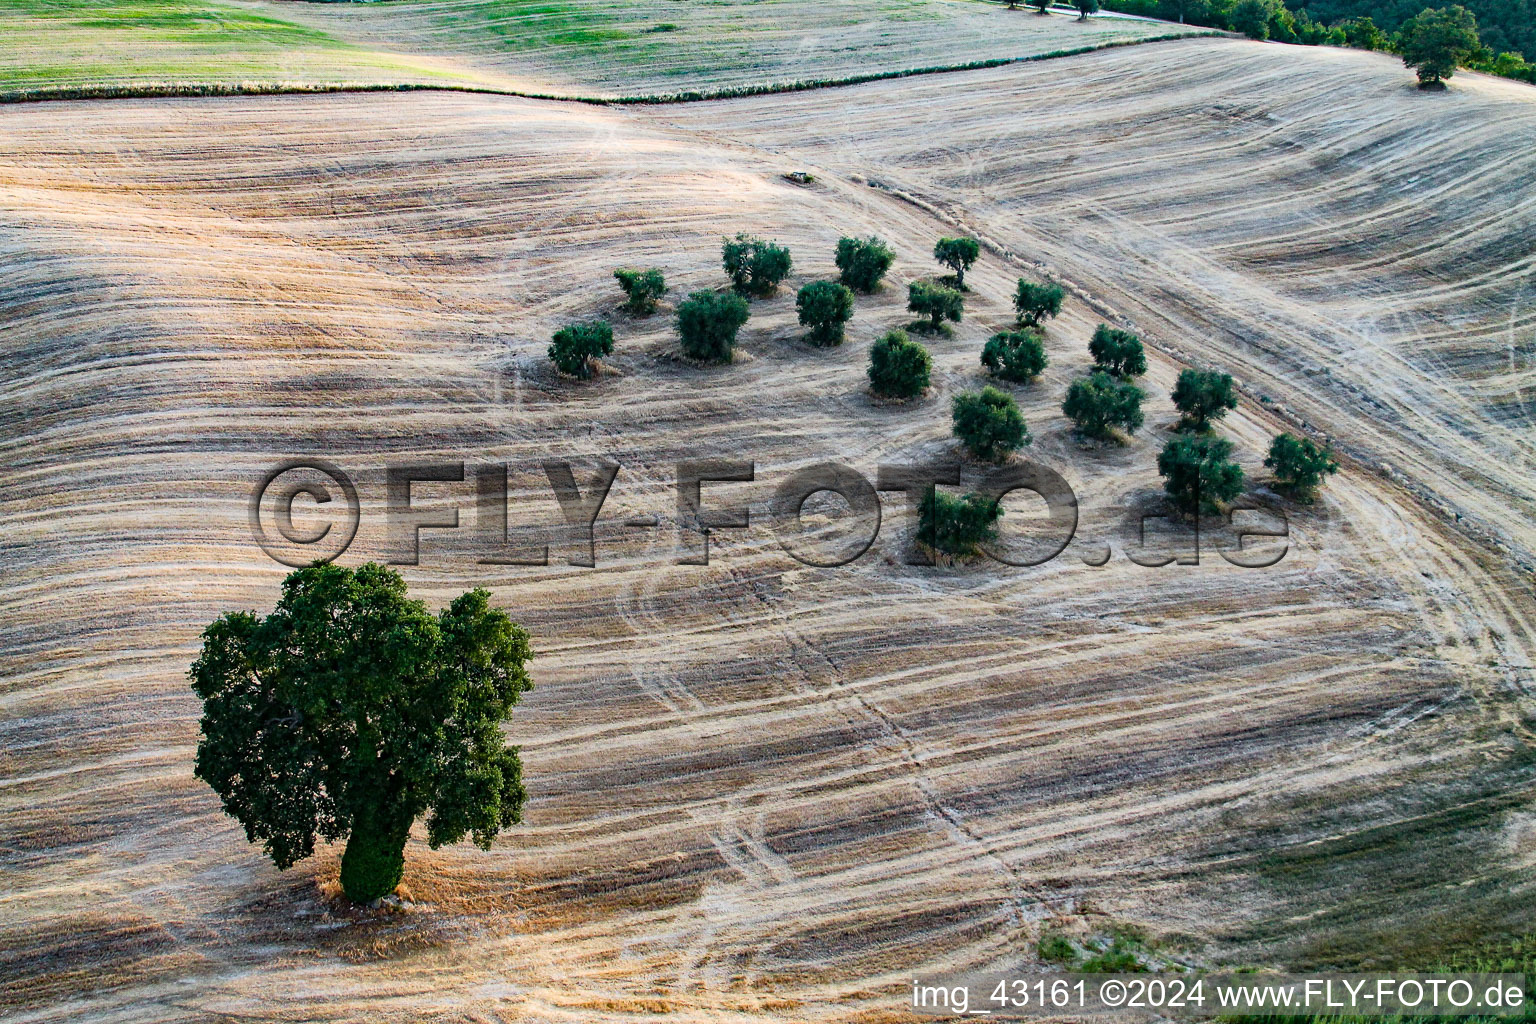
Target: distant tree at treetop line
[1504, 26]
[1435, 42]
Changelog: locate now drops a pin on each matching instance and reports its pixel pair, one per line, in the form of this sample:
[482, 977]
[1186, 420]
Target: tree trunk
[374, 860]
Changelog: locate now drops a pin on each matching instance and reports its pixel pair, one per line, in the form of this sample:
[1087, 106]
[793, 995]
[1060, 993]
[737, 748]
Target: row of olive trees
[1106, 403]
[708, 322]
[1198, 472]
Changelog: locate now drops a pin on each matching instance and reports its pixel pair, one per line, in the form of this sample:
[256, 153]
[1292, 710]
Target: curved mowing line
[175, 89]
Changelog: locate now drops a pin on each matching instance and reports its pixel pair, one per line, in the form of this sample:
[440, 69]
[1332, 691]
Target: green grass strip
[175, 89]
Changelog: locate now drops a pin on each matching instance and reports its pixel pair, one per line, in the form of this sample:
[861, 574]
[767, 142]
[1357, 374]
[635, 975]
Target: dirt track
[760, 789]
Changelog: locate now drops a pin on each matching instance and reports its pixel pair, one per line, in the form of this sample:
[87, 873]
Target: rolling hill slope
[571, 48]
[759, 790]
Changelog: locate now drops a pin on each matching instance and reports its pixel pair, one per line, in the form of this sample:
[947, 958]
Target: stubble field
[761, 790]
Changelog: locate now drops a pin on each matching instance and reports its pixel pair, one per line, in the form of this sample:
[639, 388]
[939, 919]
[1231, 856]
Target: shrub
[898, 366]
[1036, 302]
[1098, 403]
[1085, 8]
[345, 650]
[824, 307]
[1433, 42]
[1363, 34]
[1117, 352]
[1508, 64]
[754, 266]
[957, 254]
[1315, 33]
[957, 526]
[862, 262]
[576, 346]
[1056, 947]
[989, 424]
[936, 302]
[707, 323]
[1202, 396]
[1017, 356]
[1119, 958]
[644, 288]
[1300, 465]
[1196, 470]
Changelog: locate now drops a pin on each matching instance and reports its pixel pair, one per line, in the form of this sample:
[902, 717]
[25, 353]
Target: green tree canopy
[1254, 18]
[1117, 352]
[1202, 396]
[351, 710]
[989, 424]
[1017, 356]
[862, 262]
[707, 323]
[1300, 465]
[824, 306]
[576, 346]
[754, 266]
[1035, 303]
[1099, 402]
[1196, 469]
[643, 288]
[1363, 34]
[898, 366]
[1435, 41]
[936, 302]
[957, 526]
[957, 254]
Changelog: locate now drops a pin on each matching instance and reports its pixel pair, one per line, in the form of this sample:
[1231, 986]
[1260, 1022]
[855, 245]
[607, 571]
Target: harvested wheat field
[761, 790]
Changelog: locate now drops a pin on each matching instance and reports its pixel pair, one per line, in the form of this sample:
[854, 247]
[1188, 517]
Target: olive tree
[989, 424]
[957, 526]
[1017, 356]
[898, 366]
[1085, 8]
[1035, 303]
[707, 323]
[1117, 352]
[824, 306]
[351, 710]
[754, 266]
[1198, 473]
[862, 262]
[643, 288]
[576, 347]
[1099, 403]
[936, 302]
[1300, 464]
[957, 254]
[1203, 396]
